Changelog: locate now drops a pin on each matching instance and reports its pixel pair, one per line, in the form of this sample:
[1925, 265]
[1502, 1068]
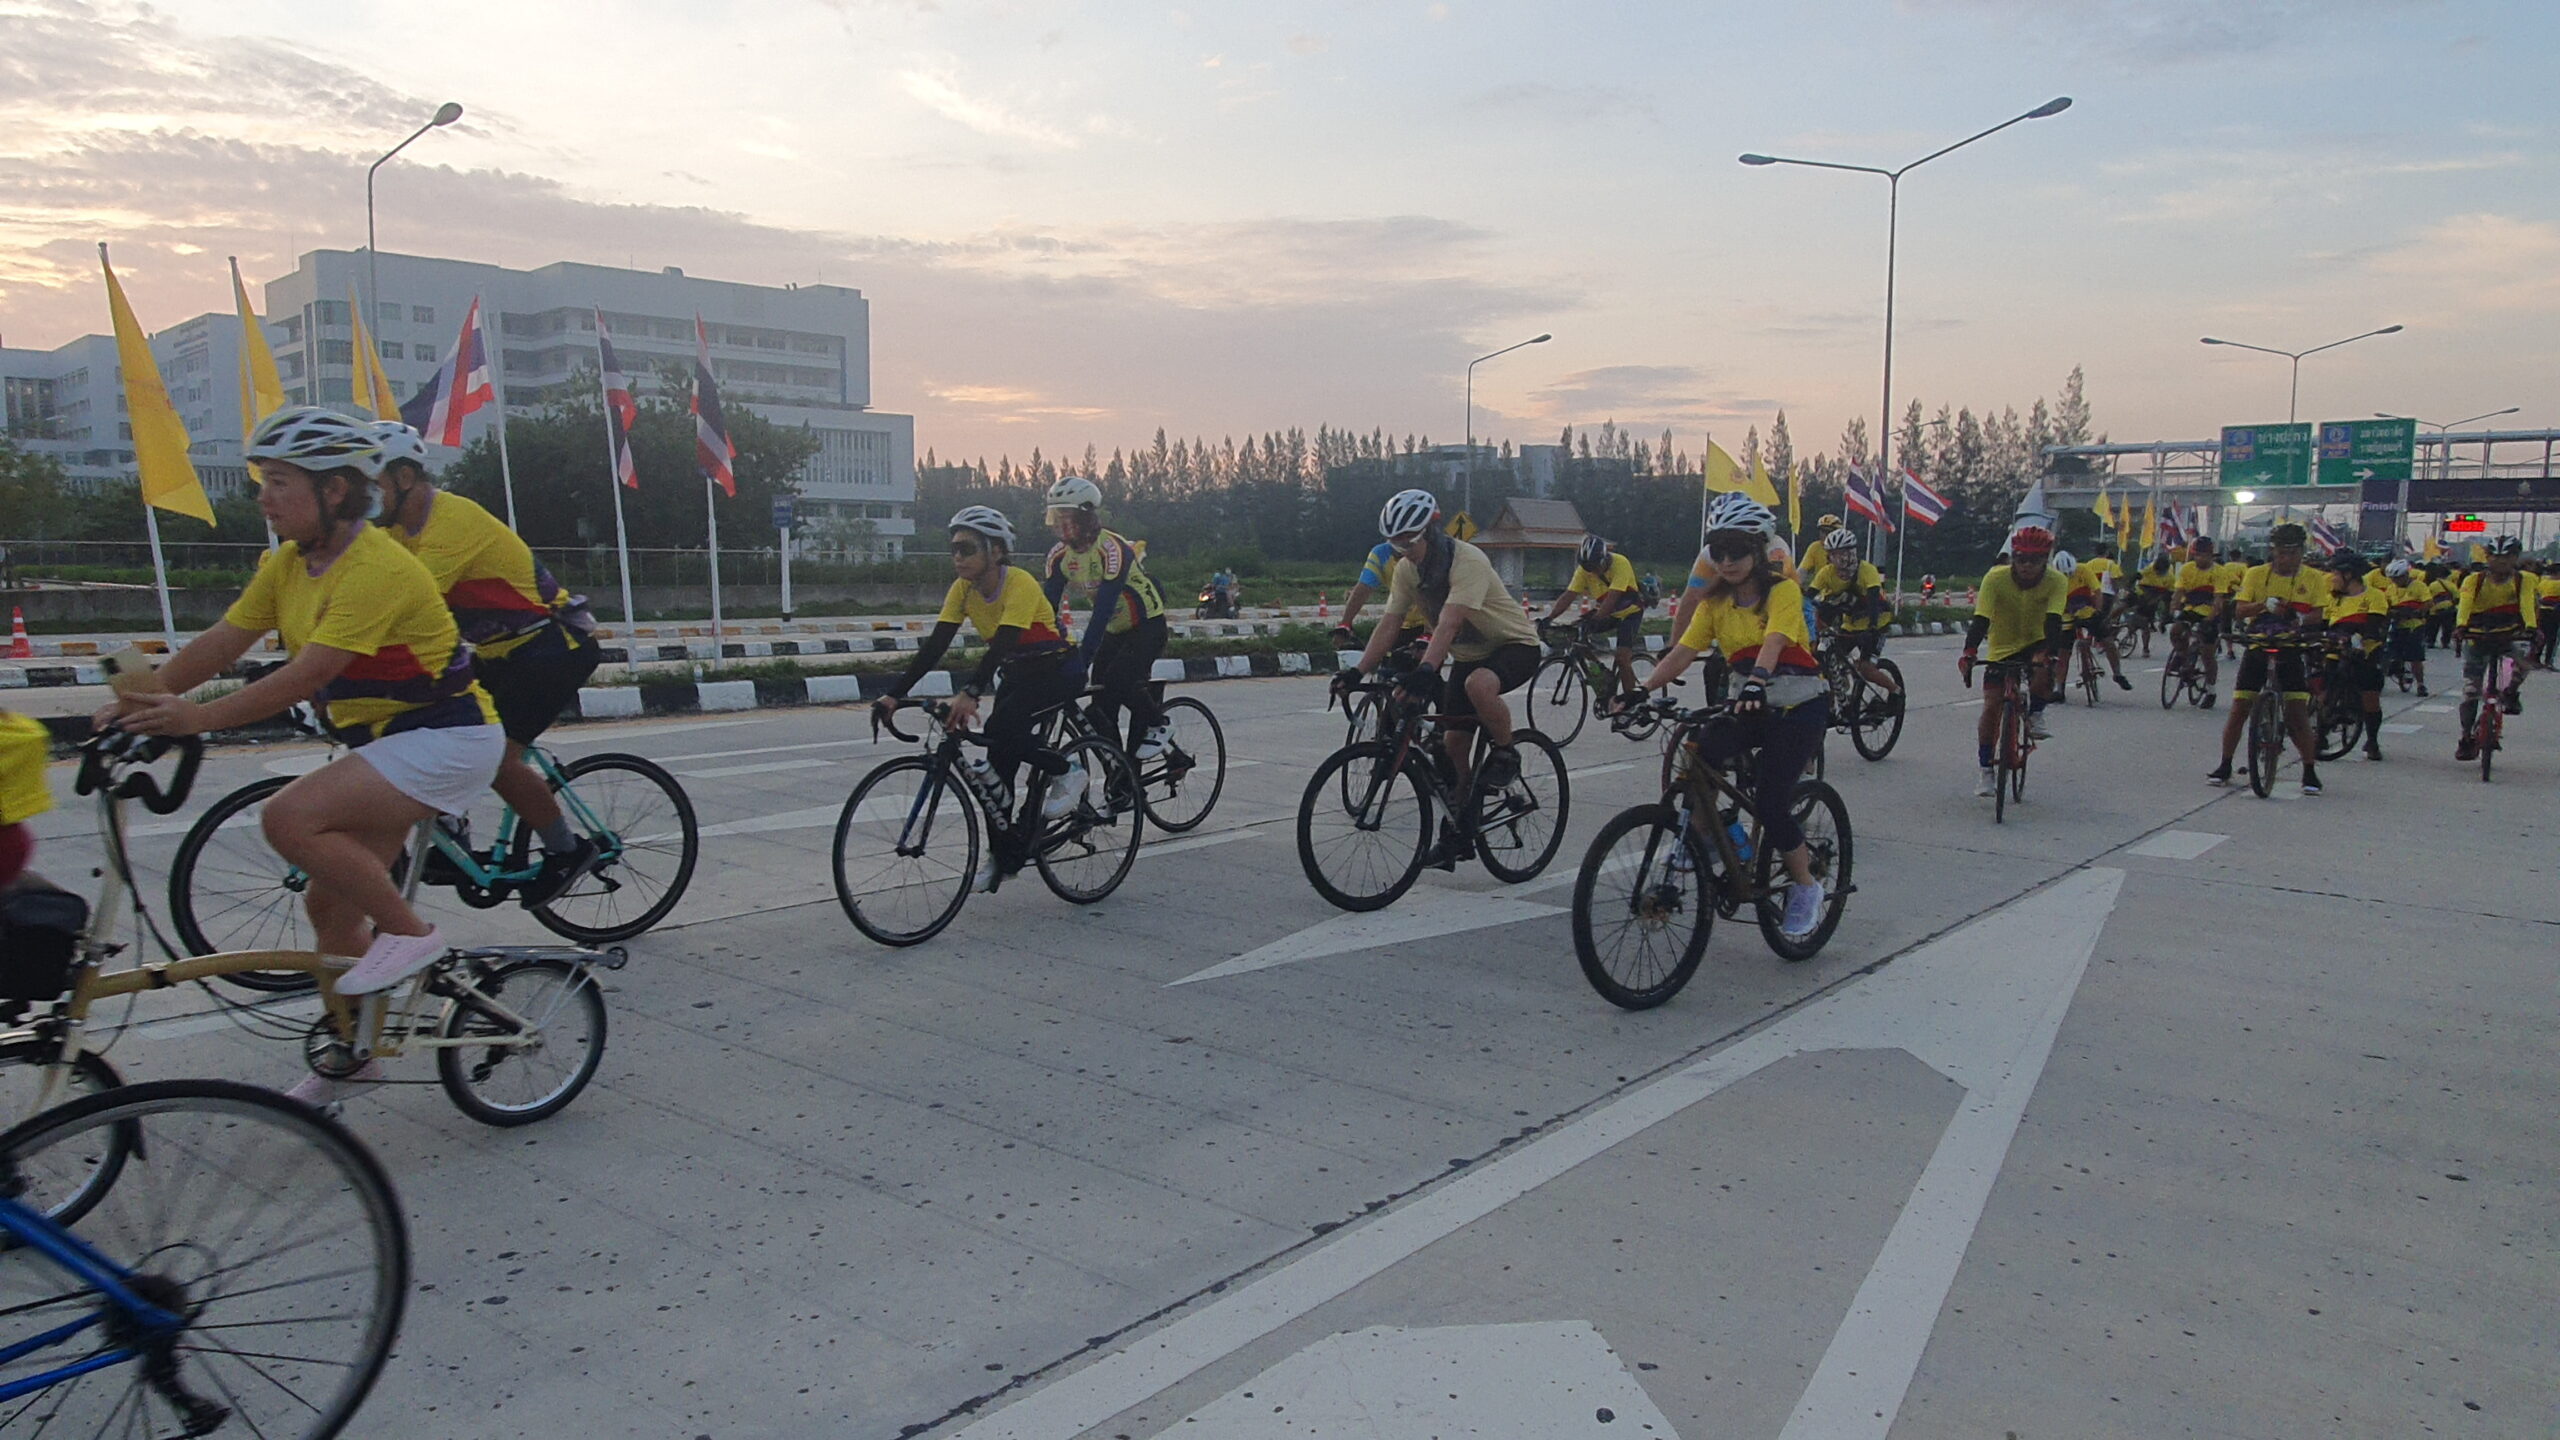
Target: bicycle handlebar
[112, 759]
[938, 709]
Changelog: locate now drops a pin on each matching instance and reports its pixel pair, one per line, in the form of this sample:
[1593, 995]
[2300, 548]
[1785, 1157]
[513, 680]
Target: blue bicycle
[193, 1257]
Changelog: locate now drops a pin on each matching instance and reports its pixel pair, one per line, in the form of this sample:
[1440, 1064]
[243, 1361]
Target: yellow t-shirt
[2365, 616]
[1083, 573]
[1830, 587]
[500, 596]
[1702, 571]
[2230, 573]
[1621, 576]
[2017, 612]
[1018, 602]
[1494, 618]
[1815, 556]
[2101, 573]
[2159, 579]
[1719, 624]
[2489, 603]
[2445, 594]
[2549, 594]
[2289, 599]
[2200, 588]
[23, 793]
[411, 670]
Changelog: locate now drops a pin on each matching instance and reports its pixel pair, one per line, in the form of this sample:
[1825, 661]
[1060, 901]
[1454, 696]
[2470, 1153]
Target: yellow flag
[1724, 474]
[2150, 522]
[2479, 553]
[2433, 550]
[159, 436]
[372, 387]
[261, 389]
[1795, 501]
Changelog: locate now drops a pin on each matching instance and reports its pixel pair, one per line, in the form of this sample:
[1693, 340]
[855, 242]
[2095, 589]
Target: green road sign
[2264, 457]
[2355, 452]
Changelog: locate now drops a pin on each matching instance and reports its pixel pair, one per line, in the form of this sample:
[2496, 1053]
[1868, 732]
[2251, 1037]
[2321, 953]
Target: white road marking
[2402, 729]
[297, 764]
[590, 734]
[1419, 916]
[816, 817]
[1203, 842]
[2439, 709]
[761, 750]
[1981, 1005]
[1544, 1381]
[761, 767]
[1600, 769]
[2177, 844]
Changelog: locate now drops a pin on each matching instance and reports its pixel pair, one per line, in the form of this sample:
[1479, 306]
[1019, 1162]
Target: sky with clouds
[1078, 220]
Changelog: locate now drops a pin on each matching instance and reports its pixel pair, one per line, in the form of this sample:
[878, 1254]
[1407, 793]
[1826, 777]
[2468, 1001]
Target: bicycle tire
[2341, 723]
[91, 1074]
[2173, 683]
[599, 887]
[1362, 726]
[2088, 673]
[873, 804]
[1528, 815]
[1878, 726]
[1109, 804]
[466, 1080]
[268, 887]
[1375, 886]
[1202, 741]
[1824, 817]
[322, 1211]
[2266, 747]
[1559, 698]
[1654, 896]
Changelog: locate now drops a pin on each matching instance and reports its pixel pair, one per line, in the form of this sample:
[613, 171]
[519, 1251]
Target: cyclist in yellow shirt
[2282, 598]
[2198, 591]
[2496, 612]
[2019, 610]
[2444, 602]
[1848, 598]
[1608, 580]
[2546, 650]
[1125, 627]
[23, 793]
[2089, 604]
[2360, 625]
[1817, 550]
[2409, 596]
[2151, 591]
[2233, 569]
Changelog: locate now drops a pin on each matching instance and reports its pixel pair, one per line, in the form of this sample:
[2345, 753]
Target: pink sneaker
[318, 1090]
[389, 960]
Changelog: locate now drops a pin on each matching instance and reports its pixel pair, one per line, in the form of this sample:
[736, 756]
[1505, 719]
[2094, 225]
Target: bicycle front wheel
[1085, 854]
[1520, 825]
[264, 1226]
[2266, 742]
[1824, 817]
[2341, 720]
[906, 849]
[1182, 784]
[1642, 909]
[230, 890]
[1877, 725]
[2173, 682]
[643, 821]
[1363, 825]
[1559, 699]
[531, 1061]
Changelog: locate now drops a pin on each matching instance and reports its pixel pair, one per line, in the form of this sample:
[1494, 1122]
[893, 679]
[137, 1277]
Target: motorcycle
[1216, 604]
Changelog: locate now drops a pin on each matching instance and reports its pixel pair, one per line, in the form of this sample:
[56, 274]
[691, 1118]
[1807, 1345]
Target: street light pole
[1466, 505]
[2293, 404]
[446, 114]
[2444, 461]
[1892, 245]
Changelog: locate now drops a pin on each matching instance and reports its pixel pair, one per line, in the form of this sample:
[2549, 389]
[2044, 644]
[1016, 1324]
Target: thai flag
[1921, 503]
[2173, 530]
[620, 412]
[461, 385]
[2331, 542]
[712, 451]
[1863, 499]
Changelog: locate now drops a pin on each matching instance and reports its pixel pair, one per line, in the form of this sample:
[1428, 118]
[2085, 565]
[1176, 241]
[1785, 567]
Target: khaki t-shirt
[1495, 619]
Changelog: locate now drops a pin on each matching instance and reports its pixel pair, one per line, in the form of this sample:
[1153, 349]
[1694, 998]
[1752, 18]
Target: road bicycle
[1366, 710]
[230, 890]
[2140, 619]
[2337, 698]
[2189, 672]
[1868, 713]
[907, 844]
[2088, 647]
[517, 1031]
[1577, 680]
[193, 1257]
[1178, 787]
[2013, 738]
[2268, 734]
[2501, 681]
[1365, 822]
[1657, 877]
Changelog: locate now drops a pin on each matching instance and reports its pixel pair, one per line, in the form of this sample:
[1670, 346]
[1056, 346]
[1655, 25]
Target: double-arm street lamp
[1893, 220]
[1468, 485]
[2444, 461]
[2293, 404]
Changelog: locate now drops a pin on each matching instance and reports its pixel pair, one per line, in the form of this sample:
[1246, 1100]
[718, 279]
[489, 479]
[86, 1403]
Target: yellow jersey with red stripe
[412, 671]
[2290, 599]
[2200, 588]
[499, 594]
[2489, 603]
[1110, 557]
[1018, 602]
[1739, 632]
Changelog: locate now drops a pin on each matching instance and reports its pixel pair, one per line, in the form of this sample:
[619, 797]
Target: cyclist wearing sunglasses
[2019, 610]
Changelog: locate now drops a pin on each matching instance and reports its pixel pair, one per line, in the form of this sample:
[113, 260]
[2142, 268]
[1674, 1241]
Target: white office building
[68, 402]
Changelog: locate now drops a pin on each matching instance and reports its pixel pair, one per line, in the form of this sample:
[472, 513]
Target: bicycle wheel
[267, 1228]
[1085, 855]
[1642, 909]
[1519, 826]
[2173, 681]
[1878, 726]
[906, 849]
[2265, 742]
[1363, 854]
[650, 839]
[2341, 720]
[80, 1173]
[1559, 698]
[551, 1056]
[1366, 711]
[2005, 755]
[230, 890]
[1824, 817]
[2088, 673]
[1182, 785]
[2489, 727]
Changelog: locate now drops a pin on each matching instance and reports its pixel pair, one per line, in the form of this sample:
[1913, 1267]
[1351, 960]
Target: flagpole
[711, 508]
[160, 577]
[621, 545]
[496, 347]
[1706, 464]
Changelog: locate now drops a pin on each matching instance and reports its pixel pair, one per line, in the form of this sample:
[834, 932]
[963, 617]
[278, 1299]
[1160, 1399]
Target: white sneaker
[1988, 785]
[1064, 790]
[390, 960]
[1154, 743]
[2036, 726]
[319, 1090]
[984, 882]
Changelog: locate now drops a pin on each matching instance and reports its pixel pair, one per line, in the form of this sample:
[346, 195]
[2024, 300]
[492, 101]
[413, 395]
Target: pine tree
[1782, 449]
[2071, 417]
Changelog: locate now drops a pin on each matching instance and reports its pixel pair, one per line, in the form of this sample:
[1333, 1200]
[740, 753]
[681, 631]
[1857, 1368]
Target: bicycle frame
[67, 1251]
[1406, 728]
[1704, 790]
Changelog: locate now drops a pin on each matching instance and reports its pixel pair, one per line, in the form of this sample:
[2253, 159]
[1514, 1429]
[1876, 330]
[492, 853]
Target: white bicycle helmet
[317, 439]
[1407, 511]
[2397, 569]
[399, 442]
[1843, 538]
[1594, 554]
[2506, 545]
[1074, 492]
[987, 520]
[1734, 510]
[2064, 563]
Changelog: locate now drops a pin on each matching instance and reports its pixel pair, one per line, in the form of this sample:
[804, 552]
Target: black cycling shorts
[1630, 628]
[2291, 676]
[1867, 644]
[1511, 664]
[533, 684]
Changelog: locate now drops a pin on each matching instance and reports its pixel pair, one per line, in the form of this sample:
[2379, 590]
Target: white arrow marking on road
[1981, 1005]
[2177, 844]
[1544, 1381]
[813, 818]
[1435, 913]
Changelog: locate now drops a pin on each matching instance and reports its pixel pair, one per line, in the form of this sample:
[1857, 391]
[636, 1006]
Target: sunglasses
[967, 548]
[1735, 547]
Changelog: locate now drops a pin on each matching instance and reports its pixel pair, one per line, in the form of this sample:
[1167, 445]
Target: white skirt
[448, 769]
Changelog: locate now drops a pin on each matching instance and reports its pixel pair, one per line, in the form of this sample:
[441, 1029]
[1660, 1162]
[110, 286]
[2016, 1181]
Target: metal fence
[592, 569]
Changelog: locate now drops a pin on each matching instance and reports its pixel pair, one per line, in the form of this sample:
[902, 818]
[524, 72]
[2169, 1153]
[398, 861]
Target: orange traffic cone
[1320, 610]
[1066, 618]
[20, 647]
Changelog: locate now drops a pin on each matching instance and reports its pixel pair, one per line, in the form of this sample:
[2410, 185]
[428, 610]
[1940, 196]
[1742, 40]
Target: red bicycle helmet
[2031, 540]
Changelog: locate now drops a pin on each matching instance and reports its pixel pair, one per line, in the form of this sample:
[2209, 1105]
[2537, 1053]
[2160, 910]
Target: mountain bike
[2140, 620]
[907, 844]
[517, 1031]
[1657, 877]
[1868, 713]
[2188, 672]
[1179, 787]
[2013, 740]
[2268, 734]
[230, 890]
[2500, 681]
[193, 1257]
[1365, 821]
[2337, 699]
[1572, 684]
